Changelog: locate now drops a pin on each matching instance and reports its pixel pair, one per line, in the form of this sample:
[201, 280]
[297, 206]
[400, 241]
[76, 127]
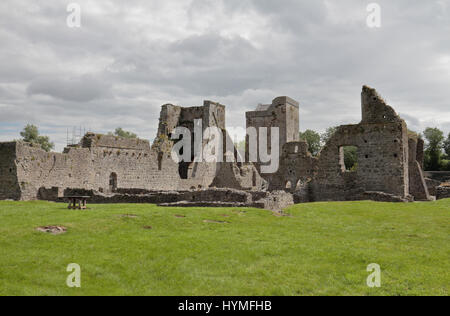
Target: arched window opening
[348, 158]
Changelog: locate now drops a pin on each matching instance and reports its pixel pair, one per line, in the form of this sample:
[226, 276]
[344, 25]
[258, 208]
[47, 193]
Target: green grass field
[321, 249]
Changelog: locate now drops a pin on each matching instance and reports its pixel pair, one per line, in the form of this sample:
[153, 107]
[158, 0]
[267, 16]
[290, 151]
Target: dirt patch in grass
[54, 230]
[215, 222]
[129, 216]
[179, 216]
[281, 214]
[148, 227]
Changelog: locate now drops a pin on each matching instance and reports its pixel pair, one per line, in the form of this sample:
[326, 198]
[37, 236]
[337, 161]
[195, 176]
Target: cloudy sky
[130, 57]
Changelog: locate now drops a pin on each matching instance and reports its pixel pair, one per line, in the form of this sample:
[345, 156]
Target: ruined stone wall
[382, 155]
[9, 185]
[192, 175]
[238, 176]
[37, 168]
[172, 116]
[443, 192]
[420, 156]
[92, 168]
[382, 158]
[106, 163]
[134, 169]
[441, 176]
[297, 168]
[417, 184]
[388, 161]
[91, 140]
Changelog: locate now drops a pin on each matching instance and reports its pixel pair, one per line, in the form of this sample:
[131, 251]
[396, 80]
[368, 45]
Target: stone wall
[91, 140]
[99, 168]
[384, 170]
[211, 197]
[243, 176]
[382, 158]
[297, 168]
[9, 185]
[443, 192]
[441, 176]
[191, 174]
[382, 155]
[105, 162]
[417, 184]
[389, 163]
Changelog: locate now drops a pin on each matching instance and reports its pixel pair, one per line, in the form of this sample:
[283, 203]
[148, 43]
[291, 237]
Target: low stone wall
[432, 186]
[276, 201]
[441, 176]
[384, 197]
[213, 197]
[443, 192]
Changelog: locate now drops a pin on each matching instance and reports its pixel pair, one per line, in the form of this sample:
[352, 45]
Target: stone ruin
[112, 169]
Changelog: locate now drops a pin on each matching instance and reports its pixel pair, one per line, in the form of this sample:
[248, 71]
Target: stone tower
[282, 113]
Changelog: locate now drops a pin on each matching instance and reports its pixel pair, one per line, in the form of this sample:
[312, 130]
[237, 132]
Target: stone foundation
[213, 197]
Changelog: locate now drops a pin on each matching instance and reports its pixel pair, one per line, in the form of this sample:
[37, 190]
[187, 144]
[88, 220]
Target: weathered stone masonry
[389, 164]
[105, 163]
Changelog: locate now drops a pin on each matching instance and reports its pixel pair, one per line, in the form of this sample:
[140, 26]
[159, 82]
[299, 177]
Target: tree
[447, 146]
[30, 134]
[351, 158]
[313, 140]
[122, 133]
[433, 151]
[325, 137]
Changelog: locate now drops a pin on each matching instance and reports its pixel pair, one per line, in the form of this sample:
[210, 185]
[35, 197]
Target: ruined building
[111, 168]
[389, 161]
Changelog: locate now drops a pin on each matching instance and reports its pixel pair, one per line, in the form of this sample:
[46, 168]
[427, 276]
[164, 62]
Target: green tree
[447, 146]
[325, 137]
[313, 140]
[122, 133]
[351, 158]
[433, 152]
[30, 134]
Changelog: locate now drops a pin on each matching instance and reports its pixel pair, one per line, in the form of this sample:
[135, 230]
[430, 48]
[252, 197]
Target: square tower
[282, 113]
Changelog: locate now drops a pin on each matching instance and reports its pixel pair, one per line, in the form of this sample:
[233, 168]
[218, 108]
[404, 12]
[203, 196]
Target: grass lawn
[322, 249]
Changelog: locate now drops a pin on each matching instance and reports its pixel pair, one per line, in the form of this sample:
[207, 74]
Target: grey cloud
[79, 89]
[213, 45]
[414, 123]
[129, 58]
